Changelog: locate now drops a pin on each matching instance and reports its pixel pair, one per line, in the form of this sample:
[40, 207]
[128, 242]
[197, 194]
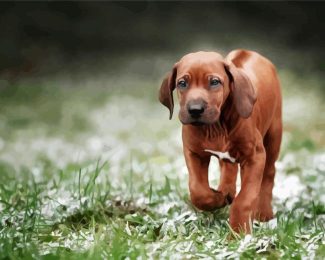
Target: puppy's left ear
[166, 90]
[242, 90]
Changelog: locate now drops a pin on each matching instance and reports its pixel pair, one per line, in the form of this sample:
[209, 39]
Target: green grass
[99, 174]
[90, 218]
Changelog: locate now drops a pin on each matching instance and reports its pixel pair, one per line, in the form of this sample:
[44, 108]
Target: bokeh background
[36, 36]
[61, 60]
[79, 83]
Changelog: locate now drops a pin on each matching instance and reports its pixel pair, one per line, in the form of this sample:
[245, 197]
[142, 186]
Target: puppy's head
[204, 81]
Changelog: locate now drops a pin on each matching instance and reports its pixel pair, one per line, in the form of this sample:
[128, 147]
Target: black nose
[196, 108]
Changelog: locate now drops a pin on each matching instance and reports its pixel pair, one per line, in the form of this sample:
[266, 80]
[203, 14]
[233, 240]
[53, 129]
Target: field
[91, 168]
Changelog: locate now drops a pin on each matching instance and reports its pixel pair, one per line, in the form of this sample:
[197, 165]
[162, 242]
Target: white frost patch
[79, 241]
[187, 216]
[264, 243]
[319, 162]
[287, 189]
[166, 206]
[55, 199]
[222, 155]
[167, 226]
[271, 224]
[26, 150]
[244, 243]
[120, 133]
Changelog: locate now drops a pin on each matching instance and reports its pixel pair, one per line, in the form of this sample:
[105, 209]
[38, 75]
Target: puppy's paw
[222, 199]
[228, 193]
[264, 214]
[208, 200]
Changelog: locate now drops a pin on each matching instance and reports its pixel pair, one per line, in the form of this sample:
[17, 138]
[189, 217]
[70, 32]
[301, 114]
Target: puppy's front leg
[202, 196]
[243, 207]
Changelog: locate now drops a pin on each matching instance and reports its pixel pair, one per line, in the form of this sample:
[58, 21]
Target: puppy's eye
[214, 82]
[182, 84]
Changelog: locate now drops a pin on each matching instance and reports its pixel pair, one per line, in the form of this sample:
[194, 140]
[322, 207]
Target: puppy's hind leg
[272, 142]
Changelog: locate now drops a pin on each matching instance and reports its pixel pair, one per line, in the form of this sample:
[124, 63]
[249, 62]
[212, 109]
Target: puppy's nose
[196, 108]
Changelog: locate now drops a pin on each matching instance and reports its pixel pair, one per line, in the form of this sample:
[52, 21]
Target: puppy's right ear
[166, 90]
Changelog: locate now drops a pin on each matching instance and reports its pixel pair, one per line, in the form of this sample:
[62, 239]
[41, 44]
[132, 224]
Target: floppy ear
[166, 91]
[242, 90]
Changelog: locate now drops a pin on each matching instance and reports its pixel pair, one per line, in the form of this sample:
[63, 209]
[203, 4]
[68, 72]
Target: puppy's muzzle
[196, 108]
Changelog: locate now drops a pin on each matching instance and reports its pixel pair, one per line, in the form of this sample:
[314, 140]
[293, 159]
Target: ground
[91, 167]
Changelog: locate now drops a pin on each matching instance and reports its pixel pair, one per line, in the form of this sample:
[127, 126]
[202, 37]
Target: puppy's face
[204, 81]
[202, 87]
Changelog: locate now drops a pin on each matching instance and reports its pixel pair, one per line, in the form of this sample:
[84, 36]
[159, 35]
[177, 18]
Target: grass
[84, 215]
[99, 174]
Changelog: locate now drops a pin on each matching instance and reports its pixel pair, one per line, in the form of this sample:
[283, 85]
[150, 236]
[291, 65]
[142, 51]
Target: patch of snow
[319, 162]
[164, 207]
[287, 187]
[264, 243]
[245, 242]
[186, 216]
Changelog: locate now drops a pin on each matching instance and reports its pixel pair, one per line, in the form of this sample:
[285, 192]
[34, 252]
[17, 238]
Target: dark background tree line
[33, 31]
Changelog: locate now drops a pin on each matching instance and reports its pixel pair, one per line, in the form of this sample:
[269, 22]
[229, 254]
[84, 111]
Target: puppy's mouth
[198, 122]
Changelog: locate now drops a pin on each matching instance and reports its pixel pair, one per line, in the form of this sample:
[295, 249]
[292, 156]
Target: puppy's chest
[221, 148]
[218, 145]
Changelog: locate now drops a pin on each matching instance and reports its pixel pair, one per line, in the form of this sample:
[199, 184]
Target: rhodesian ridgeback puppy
[230, 108]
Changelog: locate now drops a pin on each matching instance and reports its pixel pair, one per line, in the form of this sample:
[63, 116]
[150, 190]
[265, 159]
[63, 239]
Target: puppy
[230, 108]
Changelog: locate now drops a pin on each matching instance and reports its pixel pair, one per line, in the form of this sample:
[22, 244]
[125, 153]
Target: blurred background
[77, 77]
[37, 35]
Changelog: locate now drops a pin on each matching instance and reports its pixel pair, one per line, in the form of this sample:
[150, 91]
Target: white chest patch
[222, 155]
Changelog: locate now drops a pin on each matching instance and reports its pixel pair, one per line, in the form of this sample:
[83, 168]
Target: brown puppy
[229, 107]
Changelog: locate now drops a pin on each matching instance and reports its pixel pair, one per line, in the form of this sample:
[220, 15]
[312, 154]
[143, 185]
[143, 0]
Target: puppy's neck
[213, 131]
[208, 133]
